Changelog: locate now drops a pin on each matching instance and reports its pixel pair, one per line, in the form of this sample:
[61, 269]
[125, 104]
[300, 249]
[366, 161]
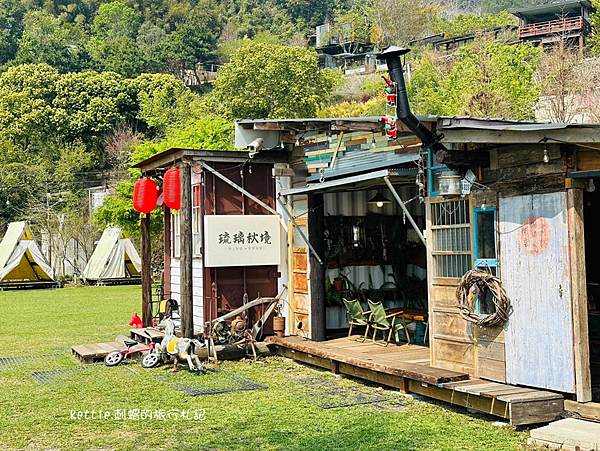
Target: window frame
[484, 263]
[431, 169]
[435, 252]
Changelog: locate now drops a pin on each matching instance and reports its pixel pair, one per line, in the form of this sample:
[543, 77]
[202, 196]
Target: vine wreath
[475, 281]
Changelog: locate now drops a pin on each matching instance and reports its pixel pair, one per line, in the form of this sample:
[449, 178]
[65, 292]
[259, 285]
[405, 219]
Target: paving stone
[570, 433]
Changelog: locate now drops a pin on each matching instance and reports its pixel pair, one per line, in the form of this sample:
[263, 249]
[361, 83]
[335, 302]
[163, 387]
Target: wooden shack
[531, 221]
[523, 217]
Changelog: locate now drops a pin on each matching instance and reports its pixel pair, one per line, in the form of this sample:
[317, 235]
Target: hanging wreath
[476, 282]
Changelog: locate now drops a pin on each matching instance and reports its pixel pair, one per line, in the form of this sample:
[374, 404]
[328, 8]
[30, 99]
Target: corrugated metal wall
[354, 203]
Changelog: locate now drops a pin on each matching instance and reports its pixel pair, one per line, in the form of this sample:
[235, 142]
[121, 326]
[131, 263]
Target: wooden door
[534, 256]
[299, 297]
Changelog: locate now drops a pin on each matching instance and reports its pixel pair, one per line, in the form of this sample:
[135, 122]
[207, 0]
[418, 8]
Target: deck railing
[554, 27]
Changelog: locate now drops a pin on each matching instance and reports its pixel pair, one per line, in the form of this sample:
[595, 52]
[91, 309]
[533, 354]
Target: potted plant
[338, 282]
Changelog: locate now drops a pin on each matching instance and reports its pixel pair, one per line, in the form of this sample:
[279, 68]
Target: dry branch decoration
[475, 281]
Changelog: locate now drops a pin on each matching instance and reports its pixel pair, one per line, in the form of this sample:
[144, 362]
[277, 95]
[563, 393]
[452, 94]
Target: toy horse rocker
[178, 348]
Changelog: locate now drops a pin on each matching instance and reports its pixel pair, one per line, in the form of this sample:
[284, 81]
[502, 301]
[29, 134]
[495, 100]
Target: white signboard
[237, 240]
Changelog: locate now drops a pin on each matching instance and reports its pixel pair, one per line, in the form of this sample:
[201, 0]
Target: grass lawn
[283, 416]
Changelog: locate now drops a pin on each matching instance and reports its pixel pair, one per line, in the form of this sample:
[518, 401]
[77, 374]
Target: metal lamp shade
[379, 200]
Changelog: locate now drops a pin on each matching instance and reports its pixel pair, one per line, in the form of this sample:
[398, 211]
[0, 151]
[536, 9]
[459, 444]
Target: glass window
[486, 234]
[485, 255]
[485, 238]
[451, 238]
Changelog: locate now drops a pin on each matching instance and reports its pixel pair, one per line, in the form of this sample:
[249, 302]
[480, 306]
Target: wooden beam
[146, 271]
[185, 259]
[589, 410]
[462, 158]
[487, 405]
[316, 216]
[583, 381]
[167, 252]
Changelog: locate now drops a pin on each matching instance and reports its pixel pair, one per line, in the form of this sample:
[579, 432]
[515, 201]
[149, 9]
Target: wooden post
[316, 213]
[403, 386]
[579, 295]
[185, 258]
[335, 367]
[146, 271]
[167, 253]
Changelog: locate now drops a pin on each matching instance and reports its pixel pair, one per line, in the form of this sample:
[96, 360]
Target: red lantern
[144, 195]
[172, 189]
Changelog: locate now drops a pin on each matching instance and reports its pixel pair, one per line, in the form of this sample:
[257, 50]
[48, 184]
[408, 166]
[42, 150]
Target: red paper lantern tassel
[172, 189]
[145, 194]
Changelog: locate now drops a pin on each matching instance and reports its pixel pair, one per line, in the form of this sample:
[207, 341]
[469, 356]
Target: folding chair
[358, 317]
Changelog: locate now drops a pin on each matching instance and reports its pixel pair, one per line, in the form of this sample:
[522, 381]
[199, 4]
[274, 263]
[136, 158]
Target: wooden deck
[95, 352]
[407, 368]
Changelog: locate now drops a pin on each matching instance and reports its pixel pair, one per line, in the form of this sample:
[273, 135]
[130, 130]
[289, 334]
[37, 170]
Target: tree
[151, 41]
[470, 23]
[46, 40]
[351, 28]
[26, 95]
[396, 22]
[163, 101]
[194, 41]
[113, 45]
[89, 105]
[272, 81]
[11, 27]
[485, 79]
[594, 41]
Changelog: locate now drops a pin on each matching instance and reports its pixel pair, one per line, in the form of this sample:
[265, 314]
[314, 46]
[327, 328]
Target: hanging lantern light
[145, 194]
[379, 200]
[172, 189]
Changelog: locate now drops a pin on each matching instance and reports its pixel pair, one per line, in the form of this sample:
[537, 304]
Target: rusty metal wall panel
[224, 288]
[535, 273]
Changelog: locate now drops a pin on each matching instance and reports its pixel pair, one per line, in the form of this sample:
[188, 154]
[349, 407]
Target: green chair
[358, 317]
[380, 320]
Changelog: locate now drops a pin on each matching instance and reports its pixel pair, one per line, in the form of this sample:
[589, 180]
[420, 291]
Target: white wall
[197, 290]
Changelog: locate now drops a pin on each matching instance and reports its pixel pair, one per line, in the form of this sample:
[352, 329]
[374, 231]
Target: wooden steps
[407, 368]
[146, 335]
[522, 405]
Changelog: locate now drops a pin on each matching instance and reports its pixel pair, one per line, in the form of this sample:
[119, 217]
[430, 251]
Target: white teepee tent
[114, 258]
[20, 258]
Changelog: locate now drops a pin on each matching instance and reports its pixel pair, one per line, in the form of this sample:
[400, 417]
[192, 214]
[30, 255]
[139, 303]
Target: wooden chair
[380, 320]
[358, 317]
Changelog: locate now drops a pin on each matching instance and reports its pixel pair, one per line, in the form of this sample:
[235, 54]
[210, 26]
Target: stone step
[569, 433]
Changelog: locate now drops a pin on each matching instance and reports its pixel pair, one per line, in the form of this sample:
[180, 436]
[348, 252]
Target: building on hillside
[442, 43]
[345, 51]
[550, 23]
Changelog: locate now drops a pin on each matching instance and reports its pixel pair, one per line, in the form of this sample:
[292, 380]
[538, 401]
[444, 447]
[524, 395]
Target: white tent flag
[114, 257]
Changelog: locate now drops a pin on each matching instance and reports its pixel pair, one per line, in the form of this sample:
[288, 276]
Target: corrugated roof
[374, 119]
